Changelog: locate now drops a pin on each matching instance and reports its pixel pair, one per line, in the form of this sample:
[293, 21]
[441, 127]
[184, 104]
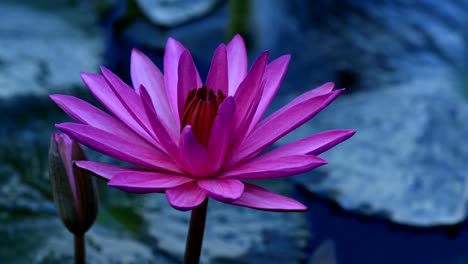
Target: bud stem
[80, 255]
[195, 233]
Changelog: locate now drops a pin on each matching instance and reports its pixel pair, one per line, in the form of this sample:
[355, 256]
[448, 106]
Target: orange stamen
[200, 110]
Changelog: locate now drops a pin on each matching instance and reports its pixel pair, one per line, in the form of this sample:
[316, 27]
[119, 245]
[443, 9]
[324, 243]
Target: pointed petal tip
[341, 90]
[59, 126]
[78, 164]
[237, 36]
[296, 207]
[319, 161]
[302, 209]
[324, 162]
[87, 75]
[55, 97]
[299, 208]
[173, 42]
[185, 52]
[136, 54]
[186, 56]
[336, 93]
[63, 127]
[259, 198]
[331, 85]
[343, 134]
[60, 98]
[54, 135]
[349, 132]
[91, 79]
[106, 73]
[136, 51]
[104, 70]
[220, 46]
[266, 54]
[237, 41]
[61, 136]
[332, 95]
[285, 57]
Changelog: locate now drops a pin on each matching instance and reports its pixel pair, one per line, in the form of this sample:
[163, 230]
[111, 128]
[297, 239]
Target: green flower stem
[195, 233]
[80, 255]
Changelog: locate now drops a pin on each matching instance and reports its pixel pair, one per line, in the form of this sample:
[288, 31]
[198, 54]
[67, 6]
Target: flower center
[200, 111]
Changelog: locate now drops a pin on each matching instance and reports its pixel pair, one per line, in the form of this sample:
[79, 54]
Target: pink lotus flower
[194, 140]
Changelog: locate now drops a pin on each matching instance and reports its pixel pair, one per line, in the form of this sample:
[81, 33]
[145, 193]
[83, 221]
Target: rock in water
[45, 48]
[324, 254]
[407, 161]
[404, 66]
[175, 12]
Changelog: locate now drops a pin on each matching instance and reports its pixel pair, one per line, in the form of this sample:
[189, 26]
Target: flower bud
[74, 190]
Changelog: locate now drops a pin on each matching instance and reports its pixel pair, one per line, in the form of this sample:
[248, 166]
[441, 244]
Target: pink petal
[217, 78]
[129, 99]
[103, 92]
[221, 133]
[119, 148]
[173, 51]
[321, 90]
[163, 134]
[274, 74]
[312, 145]
[186, 196]
[145, 73]
[64, 146]
[241, 131]
[282, 122]
[276, 167]
[225, 190]
[146, 182]
[105, 171]
[171, 61]
[250, 86]
[262, 199]
[237, 63]
[187, 80]
[88, 114]
[194, 156]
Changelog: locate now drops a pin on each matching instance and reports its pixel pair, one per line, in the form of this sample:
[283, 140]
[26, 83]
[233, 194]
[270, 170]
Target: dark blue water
[370, 240]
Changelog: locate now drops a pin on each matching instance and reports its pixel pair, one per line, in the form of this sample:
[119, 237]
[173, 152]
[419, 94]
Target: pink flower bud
[74, 190]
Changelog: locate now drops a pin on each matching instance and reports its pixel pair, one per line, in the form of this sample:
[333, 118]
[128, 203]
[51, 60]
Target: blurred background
[396, 192]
